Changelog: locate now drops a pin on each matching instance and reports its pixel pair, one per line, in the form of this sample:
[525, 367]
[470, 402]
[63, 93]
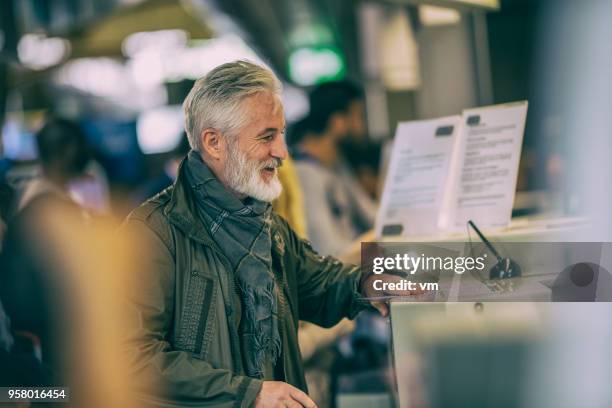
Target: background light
[313, 65]
[162, 39]
[152, 66]
[39, 52]
[160, 130]
[438, 16]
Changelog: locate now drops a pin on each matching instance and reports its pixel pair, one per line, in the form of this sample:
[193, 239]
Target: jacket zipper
[229, 311]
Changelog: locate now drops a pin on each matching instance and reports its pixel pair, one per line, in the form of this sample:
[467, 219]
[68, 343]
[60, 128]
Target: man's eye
[267, 138]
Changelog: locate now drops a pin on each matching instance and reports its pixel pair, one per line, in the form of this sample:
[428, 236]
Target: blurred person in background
[334, 161]
[364, 158]
[31, 285]
[316, 343]
[223, 280]
[170, 172]
[338, 210]
[68, 168]
[63, 156]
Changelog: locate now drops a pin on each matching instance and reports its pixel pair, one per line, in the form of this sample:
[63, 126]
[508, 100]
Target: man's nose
[279, 148]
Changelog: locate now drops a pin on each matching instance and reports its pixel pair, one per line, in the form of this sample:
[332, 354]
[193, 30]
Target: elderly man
[223, 281]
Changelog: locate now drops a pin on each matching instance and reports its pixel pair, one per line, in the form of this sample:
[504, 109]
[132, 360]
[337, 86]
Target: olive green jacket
[185, 309]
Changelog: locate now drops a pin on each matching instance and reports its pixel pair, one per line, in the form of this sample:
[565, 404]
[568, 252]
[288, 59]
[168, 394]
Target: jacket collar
[181, 209]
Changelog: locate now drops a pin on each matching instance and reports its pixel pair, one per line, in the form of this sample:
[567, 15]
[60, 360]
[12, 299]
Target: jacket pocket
[195, 317]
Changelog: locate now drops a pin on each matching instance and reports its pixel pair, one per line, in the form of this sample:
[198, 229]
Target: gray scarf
[242, 232]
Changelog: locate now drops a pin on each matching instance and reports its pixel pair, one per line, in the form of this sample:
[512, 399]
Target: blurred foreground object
[62, 279]
[290, 204]
[502, 354]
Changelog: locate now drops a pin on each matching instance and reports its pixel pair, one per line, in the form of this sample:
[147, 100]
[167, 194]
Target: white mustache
[274, 163]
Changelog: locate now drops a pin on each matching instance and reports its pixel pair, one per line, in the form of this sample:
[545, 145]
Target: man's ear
[212, 143]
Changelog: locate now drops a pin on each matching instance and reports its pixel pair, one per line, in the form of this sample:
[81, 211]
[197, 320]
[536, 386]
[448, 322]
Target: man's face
[355, 119]
[255, 153]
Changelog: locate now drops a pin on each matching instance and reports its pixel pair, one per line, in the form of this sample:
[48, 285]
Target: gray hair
[215, 99]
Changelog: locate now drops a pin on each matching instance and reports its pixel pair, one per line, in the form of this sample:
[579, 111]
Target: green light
[314, 65]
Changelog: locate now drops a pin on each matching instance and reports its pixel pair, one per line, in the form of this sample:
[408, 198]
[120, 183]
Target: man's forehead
[264, 103]
[276, 105]
[264, 97]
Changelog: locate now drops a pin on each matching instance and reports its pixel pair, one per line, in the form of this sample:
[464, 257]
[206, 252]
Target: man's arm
[328, 290]
[160, 369]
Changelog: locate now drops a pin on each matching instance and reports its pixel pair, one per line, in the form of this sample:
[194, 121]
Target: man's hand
[280, 394]
[367, 289]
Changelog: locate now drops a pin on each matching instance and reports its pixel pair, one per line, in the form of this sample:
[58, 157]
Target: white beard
[244, 176]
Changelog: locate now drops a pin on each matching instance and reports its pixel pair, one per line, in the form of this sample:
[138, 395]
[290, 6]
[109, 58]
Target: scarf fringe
[266, 337]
